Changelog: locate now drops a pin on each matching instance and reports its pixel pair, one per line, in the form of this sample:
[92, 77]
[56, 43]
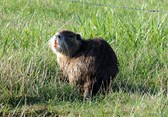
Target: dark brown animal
[89, 64]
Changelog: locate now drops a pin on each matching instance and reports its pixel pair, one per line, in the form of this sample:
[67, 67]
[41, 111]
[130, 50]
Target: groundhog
[89, 64]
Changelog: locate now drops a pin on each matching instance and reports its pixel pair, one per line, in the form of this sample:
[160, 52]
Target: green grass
[29, 74]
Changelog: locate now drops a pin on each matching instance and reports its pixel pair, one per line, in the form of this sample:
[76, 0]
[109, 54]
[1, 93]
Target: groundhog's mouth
[55, 43]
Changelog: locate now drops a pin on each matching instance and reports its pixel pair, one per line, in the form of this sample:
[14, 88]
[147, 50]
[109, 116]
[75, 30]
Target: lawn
[29, 75]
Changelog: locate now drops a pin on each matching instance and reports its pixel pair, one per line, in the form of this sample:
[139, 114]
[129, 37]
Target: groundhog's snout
[56, 41]
[59, 38]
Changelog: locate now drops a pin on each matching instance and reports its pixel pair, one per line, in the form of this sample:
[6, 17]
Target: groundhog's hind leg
[101, 86]
[86, 94]
[90, 89]
[87, 90]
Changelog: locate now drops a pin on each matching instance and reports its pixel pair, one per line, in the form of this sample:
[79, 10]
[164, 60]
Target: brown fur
[92, 66]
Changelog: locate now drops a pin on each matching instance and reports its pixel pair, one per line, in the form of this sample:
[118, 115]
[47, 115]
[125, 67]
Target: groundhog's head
[66, 42]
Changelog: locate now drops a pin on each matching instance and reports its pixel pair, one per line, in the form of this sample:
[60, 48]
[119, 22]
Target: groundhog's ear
[78, 37]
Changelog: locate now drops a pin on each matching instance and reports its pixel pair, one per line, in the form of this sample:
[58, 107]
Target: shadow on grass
[64, 92]
[57, 92]
[24, 100]
[49, 94]
[132, 88]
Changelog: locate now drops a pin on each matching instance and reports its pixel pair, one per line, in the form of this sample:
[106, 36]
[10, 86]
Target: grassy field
[29, 74]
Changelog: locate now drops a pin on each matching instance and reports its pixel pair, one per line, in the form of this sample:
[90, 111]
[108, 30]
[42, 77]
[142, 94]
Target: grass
[29, 74]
